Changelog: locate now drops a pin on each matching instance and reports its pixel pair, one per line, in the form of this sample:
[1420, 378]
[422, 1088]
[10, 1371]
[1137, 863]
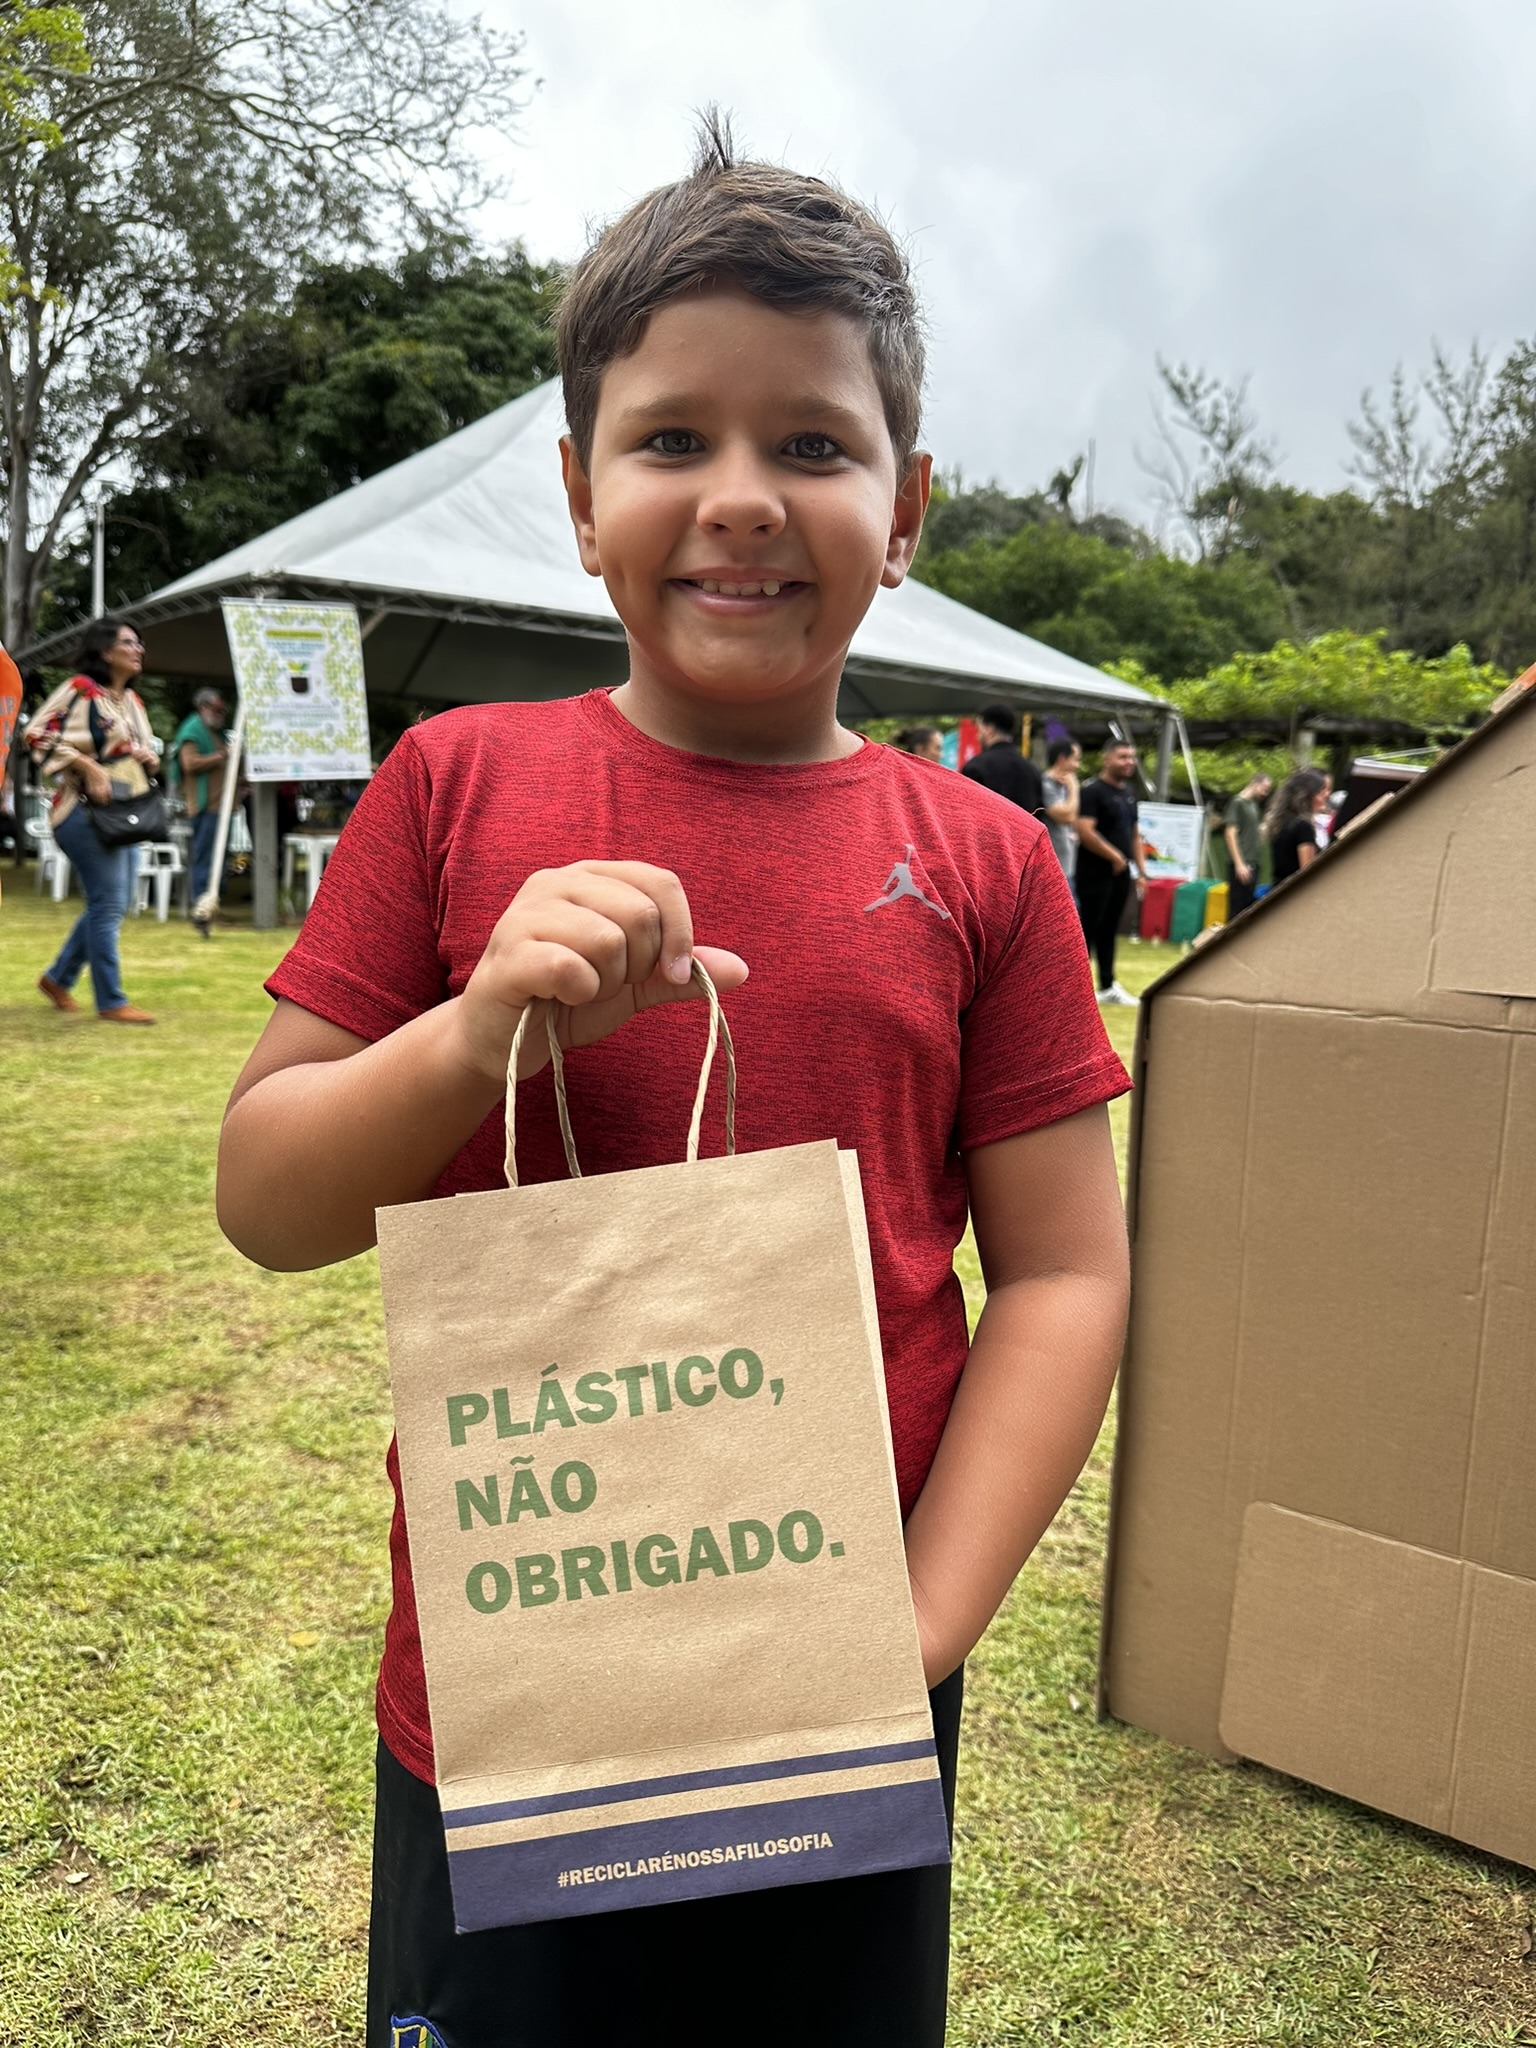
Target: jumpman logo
[899, 883]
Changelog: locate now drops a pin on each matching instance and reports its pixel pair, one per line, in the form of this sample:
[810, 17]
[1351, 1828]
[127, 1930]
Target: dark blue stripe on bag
[688, 1781]
[605, 1870]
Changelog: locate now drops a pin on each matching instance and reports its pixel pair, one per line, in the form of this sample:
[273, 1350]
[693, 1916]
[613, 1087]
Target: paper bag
[654, 1530]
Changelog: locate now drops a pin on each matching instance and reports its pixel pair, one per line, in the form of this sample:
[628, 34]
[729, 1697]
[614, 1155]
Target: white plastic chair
[314, 849]
[158, 866]
[53, 869]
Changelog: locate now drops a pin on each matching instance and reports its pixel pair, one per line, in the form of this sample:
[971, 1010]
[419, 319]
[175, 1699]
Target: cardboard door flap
[1389, 1674]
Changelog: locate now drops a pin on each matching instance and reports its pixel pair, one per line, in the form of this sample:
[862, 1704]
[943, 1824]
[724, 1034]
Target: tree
[1505, 532]
[1343, 676]
[1425, 485]
[34, 40]
[1101, 602]
[1209, 459]
[206, 148]
[1339, 689]
[368, 363]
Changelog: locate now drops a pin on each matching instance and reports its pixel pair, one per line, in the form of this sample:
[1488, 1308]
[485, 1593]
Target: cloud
[1307, 194]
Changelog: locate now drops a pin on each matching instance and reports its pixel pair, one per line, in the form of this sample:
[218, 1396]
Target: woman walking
[1290, 823]
[92, 739]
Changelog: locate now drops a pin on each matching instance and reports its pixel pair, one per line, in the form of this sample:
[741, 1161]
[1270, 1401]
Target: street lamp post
[99, 555]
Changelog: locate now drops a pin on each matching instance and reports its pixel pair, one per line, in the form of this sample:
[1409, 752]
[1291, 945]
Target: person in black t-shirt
[1109, 852]
[1290, 823]
[1000, 765]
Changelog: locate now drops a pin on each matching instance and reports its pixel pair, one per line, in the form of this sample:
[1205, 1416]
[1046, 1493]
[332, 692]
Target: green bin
[1188, 911]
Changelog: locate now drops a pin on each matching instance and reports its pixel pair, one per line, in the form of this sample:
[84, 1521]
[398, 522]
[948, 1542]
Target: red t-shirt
[918, 985]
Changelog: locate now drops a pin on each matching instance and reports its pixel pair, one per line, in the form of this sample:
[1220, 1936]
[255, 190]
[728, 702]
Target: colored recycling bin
[1188, 911]
[1216, 904]
[1157, 906]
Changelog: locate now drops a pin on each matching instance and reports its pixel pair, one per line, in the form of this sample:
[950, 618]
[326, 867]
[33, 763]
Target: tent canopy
[463, 566]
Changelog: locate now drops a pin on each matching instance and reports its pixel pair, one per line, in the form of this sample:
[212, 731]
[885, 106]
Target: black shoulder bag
[132, 820]
[127, 820]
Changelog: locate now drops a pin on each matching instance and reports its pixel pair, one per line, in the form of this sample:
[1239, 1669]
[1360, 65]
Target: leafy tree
[368, 363]
[1505, 530]
[1324, 552]
[1255, 709]
[1345, 676]
[1209, 459]
[207, 148]
[1103, 603]
[959, 513]
[35, 40]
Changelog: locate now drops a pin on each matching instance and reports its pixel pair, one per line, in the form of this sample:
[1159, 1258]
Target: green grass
[194, 1581]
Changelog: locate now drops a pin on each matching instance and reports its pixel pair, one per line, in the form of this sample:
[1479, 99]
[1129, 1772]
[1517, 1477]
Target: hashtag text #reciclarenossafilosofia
[693, 1859]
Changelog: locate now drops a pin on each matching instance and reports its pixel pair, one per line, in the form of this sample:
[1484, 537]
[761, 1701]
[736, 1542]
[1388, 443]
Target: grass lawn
[194, 1583]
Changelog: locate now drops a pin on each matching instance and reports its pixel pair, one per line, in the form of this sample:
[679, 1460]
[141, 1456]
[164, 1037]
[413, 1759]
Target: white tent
[463, 566]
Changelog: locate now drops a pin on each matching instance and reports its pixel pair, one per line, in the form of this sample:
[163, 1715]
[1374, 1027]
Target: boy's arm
[323, 1127]
[1050, 1228]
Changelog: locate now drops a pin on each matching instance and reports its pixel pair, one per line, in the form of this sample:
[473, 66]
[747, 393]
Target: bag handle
[719, 1029]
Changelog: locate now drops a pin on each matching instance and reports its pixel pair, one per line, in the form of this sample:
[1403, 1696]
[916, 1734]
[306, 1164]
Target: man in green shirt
[1244, 815]
[201, 752]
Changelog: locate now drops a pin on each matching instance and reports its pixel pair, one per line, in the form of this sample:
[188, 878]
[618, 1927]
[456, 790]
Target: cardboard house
[1323, 1538]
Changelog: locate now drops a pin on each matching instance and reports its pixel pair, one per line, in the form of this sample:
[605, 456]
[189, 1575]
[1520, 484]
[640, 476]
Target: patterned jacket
[81, 720]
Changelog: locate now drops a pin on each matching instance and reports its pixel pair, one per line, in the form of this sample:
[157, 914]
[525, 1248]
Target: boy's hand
[607, 938]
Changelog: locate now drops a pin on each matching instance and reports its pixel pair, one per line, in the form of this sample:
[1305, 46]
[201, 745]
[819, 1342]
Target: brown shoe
[125, 1013]
[56, 993]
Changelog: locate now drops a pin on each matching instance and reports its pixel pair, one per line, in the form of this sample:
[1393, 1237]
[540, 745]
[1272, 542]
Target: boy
[742, 373]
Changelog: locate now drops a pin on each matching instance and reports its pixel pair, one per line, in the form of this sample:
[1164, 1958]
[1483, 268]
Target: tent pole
[1165, 739]
[206, 904]
[264, 857]
[1195, 796]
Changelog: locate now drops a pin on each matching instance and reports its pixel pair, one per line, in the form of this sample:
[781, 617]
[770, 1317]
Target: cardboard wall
[1334, 1215]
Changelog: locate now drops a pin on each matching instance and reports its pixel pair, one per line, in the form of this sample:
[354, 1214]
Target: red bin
[1157, 906]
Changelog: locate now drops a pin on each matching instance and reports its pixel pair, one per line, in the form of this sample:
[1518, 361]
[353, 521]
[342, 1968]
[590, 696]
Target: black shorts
[857, 1962]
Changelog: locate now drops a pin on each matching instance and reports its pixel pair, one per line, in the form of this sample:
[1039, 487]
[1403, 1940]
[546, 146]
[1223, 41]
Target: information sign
[1172, 838]
[299, 670]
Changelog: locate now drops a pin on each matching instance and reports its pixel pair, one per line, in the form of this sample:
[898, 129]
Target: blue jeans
[205, 829]
[106, 877]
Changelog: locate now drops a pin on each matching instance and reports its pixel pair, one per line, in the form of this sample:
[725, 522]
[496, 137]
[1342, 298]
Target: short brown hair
[794, 242]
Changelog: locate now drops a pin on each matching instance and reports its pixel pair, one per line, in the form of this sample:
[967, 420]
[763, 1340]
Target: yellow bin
[1216, 904]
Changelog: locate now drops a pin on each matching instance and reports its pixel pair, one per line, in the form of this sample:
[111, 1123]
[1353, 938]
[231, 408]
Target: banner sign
[962, 743]
[299, 670]
[1172, 839]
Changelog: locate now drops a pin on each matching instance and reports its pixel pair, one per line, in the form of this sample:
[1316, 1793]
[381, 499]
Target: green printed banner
[655, 1537]
[299, 670]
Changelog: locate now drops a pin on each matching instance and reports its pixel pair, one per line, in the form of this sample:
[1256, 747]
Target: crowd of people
[1094, 824]
[91, 741]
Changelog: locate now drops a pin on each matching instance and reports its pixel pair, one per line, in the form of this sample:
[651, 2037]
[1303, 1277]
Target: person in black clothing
[1000, 765]
[1109, 850]
[1290, 823]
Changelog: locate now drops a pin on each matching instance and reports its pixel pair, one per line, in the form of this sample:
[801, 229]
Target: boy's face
[742, 502]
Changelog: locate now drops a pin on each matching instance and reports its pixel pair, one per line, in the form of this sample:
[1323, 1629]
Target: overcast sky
[1306, 193]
